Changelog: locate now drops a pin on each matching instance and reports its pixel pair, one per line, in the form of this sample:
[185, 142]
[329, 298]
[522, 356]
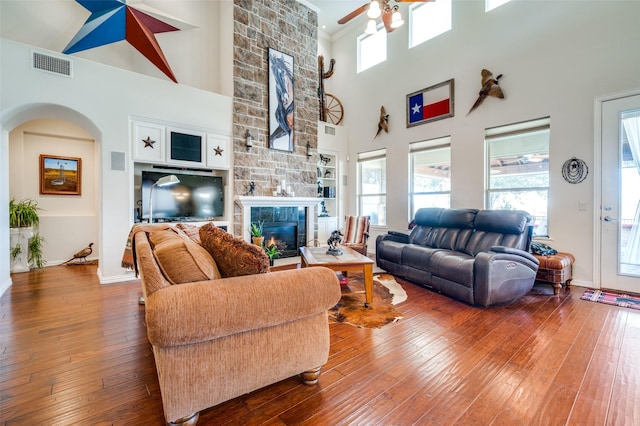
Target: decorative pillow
[180, 259]
[191, 231]
[233, 256]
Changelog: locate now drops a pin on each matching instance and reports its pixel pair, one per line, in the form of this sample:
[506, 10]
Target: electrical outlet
[582, 206]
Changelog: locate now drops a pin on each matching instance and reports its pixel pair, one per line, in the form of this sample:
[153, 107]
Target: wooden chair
[356, 233]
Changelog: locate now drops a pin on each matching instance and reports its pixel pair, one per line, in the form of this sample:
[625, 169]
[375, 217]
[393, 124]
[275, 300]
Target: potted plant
[35, 252]
[23, 218]
[23, 214]
[256, 233]
[272, 253]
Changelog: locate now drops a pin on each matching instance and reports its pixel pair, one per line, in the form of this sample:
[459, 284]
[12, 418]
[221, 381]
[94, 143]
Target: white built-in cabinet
[331, 170]
[154, 142]
[218, 152]
[148, 142]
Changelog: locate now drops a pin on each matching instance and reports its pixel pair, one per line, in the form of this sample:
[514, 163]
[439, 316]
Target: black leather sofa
[477, 256]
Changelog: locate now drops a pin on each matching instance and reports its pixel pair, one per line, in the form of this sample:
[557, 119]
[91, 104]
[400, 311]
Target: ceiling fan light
[371, 27]
[374, 10]
[396, 20]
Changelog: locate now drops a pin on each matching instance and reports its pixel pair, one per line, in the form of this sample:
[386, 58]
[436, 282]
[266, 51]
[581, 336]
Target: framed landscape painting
[60, 175]
[281, 97]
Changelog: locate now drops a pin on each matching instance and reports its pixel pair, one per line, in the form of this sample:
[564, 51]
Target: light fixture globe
[374, 10]
[396, 20]
[371, 27]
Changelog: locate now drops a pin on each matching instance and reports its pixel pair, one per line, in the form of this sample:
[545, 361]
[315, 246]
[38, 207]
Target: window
[518, 170]
[372, 49]
[372, 186]
[430, 179]
[428, 20]
[492, 4]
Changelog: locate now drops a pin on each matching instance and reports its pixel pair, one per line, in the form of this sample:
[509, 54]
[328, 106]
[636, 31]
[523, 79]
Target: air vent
[328, 130]
[52, 64]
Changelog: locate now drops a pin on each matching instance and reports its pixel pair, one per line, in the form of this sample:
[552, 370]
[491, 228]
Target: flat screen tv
[195, 197]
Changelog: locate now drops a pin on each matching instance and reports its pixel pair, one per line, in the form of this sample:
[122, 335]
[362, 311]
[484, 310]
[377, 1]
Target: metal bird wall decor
[383, 123]
[490, 87]
[82, 254]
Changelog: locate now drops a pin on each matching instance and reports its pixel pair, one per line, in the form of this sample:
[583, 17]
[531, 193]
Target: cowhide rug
[351, 310]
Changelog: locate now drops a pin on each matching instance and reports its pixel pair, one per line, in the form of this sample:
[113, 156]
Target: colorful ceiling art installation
[115, 20]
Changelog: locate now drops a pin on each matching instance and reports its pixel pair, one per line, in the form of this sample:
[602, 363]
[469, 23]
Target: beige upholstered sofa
[221, 336]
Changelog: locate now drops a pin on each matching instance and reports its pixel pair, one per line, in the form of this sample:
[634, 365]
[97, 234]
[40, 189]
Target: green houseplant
[35, 251]
[25, 242]
[23, 214]
[256, 233]
[272, 253]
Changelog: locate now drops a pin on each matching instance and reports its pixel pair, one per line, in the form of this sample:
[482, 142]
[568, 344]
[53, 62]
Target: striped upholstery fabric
[354, 229]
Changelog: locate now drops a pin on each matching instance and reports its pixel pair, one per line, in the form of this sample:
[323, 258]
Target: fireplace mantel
[246, 202]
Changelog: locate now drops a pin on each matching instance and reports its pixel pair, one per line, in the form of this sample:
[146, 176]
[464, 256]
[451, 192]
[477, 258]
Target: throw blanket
[542, 249]
[129, 256]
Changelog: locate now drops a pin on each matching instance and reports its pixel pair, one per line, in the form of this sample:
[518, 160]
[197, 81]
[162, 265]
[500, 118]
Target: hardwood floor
[75, 352]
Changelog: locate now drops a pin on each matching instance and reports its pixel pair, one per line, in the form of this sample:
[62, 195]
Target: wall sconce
[163, 181]
[248, 140]
[308, 149]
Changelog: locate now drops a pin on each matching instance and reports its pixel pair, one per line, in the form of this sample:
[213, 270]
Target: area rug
[611, 298]
[351, 310]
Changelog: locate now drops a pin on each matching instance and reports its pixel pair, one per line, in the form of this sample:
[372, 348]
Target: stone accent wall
[292, 28]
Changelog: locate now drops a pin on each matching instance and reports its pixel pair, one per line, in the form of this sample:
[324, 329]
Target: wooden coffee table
[350, 260]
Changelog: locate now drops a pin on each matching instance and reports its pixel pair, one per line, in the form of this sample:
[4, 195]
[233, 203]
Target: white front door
[620, 195]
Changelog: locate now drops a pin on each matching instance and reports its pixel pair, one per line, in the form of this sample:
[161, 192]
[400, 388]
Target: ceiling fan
[390, 15]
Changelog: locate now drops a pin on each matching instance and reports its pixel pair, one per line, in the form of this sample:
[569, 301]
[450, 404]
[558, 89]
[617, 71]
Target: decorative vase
[258, 241]
[20, 237]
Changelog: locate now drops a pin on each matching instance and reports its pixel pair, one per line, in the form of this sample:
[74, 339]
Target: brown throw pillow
[233, 256]
[182, 260]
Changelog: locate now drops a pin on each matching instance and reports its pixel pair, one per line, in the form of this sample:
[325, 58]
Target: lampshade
[371, 27]
[396, 20]
[374, 9]
[167, 180]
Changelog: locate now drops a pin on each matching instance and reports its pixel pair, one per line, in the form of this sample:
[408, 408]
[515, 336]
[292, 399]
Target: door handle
[609, 219]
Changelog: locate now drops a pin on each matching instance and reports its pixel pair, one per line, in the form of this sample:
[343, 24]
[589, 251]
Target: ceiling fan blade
[353, 14]
[413, 1]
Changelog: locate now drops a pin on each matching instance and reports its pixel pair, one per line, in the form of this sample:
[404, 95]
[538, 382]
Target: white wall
[100, 99]
[556, 58]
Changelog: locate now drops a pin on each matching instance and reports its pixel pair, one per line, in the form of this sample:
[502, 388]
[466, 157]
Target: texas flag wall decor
[430, 104]
[112, 21]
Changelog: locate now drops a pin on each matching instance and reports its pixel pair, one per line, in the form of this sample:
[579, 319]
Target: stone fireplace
[290, 221]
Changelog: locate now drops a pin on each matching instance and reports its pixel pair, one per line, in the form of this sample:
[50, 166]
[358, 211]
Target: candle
[283, 184]
[278, 189]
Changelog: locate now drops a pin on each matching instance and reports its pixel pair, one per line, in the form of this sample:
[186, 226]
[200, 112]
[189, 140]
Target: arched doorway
[37, 129]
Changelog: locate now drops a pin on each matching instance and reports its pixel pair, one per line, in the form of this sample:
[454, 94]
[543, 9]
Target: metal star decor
[148, 142]
[115, 20]
[218, 151]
